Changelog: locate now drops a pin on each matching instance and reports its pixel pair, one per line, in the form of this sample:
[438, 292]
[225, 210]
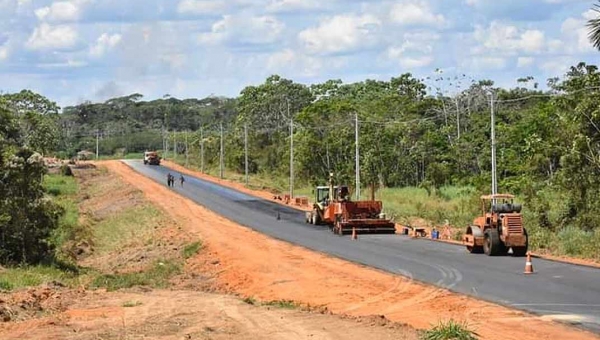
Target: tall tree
[594, 27]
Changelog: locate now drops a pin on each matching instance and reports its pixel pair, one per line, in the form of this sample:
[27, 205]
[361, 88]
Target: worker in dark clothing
[181, 179]
[169, 179]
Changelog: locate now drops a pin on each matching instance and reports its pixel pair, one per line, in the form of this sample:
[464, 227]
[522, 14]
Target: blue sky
[77, 50]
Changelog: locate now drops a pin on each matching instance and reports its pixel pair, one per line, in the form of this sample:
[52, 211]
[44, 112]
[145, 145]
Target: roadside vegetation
[449, 330]
[113, 228]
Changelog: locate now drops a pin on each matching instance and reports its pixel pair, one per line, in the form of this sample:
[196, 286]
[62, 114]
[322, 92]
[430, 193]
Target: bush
[65, 170]
[450, 330]
[27, 218]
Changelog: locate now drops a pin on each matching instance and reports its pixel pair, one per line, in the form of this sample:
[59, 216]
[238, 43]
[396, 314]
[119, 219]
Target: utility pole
[97, 143]
[246, 149]
[174, 146]
[493, 133]
[457, 119]
[202, 150]
[291, 149]
[221, 157]
[357, 157]
[186, 149]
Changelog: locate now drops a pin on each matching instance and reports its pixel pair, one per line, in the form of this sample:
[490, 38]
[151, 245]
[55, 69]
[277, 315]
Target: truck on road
[151, 157]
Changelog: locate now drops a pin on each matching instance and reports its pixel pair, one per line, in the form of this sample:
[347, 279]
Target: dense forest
[426, 133]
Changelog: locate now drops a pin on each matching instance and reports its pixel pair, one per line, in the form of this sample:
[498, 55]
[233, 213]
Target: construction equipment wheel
[492, 246]
[476, 232]
[315, 218]
[521, 251]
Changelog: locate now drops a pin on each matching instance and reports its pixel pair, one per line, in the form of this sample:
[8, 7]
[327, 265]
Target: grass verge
[449, 330]
[156, 277]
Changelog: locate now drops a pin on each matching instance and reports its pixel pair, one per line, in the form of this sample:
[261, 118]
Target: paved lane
[569, 292]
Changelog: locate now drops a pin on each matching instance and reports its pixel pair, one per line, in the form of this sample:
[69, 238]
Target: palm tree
[594, 26]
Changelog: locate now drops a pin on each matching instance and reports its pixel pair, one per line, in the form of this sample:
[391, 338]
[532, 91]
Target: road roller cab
[499, 228]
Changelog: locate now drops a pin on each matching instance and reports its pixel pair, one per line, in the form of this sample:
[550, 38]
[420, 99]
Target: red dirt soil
[254, 265]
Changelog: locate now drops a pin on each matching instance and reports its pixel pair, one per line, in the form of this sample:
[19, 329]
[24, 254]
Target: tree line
[413, 132]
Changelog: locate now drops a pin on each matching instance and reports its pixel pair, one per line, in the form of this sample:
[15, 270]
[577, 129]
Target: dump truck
[333, 207]
[151, 157]
[499, 228]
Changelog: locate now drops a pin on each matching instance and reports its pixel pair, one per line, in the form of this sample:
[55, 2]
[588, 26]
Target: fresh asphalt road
[568, 292]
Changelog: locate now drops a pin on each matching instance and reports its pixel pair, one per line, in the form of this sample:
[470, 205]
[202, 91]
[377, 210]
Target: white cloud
[416, 62]
[557, 66]
[61, 11]
[200, 7]
[415, 12]
[341, 33]
[485, 63]
[288, 61]
[508, 39]
[104, 43]
[415, 42]
[575, 33]
[67, 64]
[245, 30]
[175, 61]
[293, 5]
[3, 53]
[52, 37]
[525, 61]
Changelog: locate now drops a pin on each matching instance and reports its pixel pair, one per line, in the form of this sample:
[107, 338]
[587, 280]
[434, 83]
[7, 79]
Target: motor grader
[499, 228]
[334, 208]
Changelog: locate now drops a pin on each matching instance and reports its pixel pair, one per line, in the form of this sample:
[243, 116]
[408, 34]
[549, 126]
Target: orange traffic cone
[354, 236]
[528, 265]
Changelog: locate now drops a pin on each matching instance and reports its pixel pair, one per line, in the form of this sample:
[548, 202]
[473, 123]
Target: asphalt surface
[569, 293]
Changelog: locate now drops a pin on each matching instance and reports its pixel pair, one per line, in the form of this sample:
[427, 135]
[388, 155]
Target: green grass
[450, 330]
[282, 304]
[58, 185]
[191, 249]
[22, 277]
[120, 228]
[133, 155]
[129, 304]
[156, 277]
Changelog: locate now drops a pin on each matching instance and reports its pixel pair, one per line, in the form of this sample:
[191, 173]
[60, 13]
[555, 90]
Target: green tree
[594, 27]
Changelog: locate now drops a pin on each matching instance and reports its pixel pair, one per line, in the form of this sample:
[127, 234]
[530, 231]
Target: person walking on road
[181, 179]
[170, 180]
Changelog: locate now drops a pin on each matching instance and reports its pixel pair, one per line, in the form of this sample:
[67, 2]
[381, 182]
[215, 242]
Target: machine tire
[145, 162]
[316, 218]
[491, 243]
[474, 230]
[522, 251]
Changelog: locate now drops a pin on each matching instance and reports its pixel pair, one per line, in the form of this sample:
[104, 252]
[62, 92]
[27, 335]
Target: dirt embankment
[251, 264]
[190, 310]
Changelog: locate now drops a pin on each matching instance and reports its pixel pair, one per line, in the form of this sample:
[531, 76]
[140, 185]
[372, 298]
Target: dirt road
[252, 264]
[176, 315]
